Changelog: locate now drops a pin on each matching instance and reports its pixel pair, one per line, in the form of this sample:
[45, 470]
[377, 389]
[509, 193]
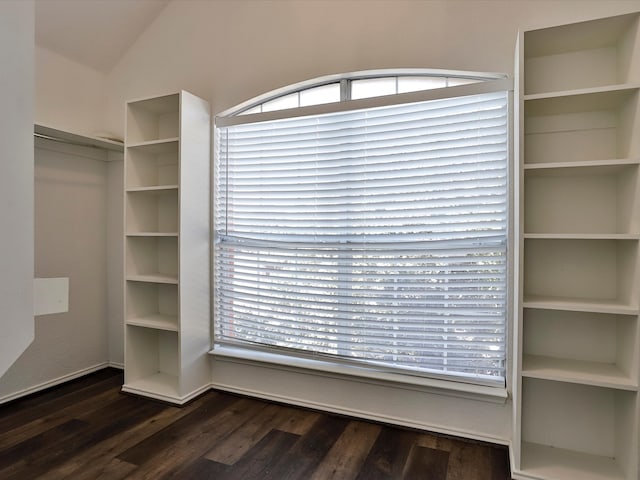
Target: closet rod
[62, 140]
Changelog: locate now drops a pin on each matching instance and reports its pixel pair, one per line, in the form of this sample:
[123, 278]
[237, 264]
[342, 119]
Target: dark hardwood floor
[87, 429]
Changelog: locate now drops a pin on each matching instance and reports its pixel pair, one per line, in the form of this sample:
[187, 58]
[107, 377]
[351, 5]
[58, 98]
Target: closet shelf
[49, 133]
[576, 371]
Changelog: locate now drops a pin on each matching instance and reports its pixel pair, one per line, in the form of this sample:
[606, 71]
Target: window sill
[364, 375]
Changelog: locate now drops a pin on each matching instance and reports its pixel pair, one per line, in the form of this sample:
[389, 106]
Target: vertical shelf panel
[195, 241]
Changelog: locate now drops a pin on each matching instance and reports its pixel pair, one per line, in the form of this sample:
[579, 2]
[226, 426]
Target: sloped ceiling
[95, 33]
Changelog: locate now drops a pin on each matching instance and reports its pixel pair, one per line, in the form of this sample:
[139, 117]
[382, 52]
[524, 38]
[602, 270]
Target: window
[368, 232]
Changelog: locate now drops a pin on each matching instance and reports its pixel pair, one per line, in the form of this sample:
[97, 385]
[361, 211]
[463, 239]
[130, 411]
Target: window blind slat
[376, 236]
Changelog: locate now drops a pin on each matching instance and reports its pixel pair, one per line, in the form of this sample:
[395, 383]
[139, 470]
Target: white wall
[70, 241]
[72, 97]
[228, 52]
[16, 179]
[68, 96]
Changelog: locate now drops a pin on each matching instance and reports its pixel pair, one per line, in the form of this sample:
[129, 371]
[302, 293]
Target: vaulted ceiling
[95, 33]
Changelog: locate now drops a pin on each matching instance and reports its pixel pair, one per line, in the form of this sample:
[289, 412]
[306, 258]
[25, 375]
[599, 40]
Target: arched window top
[355, 86]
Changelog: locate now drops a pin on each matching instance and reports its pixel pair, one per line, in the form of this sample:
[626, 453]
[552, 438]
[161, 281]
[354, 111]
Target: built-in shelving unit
[576, 365]
[166, 244]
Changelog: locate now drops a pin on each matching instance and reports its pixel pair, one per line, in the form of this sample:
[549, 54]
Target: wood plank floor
[86, 430]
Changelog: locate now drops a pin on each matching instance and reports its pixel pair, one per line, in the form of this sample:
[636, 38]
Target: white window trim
[328, 369]
[230, 117]
[442, 386]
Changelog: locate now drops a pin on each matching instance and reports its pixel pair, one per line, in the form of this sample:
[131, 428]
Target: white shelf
[152, 234]
[579, 305]
[150, 300]
[548, 463]
[582, 236]
[154, 278]
[158, 321]
[161, 386]
[576, 371]
[155, 188]
[578, 101]
[576, 94]
[162, 145]
[588, 167]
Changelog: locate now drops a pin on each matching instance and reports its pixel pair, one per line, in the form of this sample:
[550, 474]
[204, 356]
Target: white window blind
[375, 236]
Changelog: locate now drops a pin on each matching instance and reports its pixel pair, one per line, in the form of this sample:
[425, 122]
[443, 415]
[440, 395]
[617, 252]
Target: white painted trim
[327, 369]
[167, 398]
[393, 420]
[337, 78]
[54, 382]
[498, 85]
[301, 402]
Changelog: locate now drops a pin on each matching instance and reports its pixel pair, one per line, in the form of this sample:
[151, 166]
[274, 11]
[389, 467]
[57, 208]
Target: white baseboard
[337, 409]
[54, 382]
[163, 397]
[119, 366]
